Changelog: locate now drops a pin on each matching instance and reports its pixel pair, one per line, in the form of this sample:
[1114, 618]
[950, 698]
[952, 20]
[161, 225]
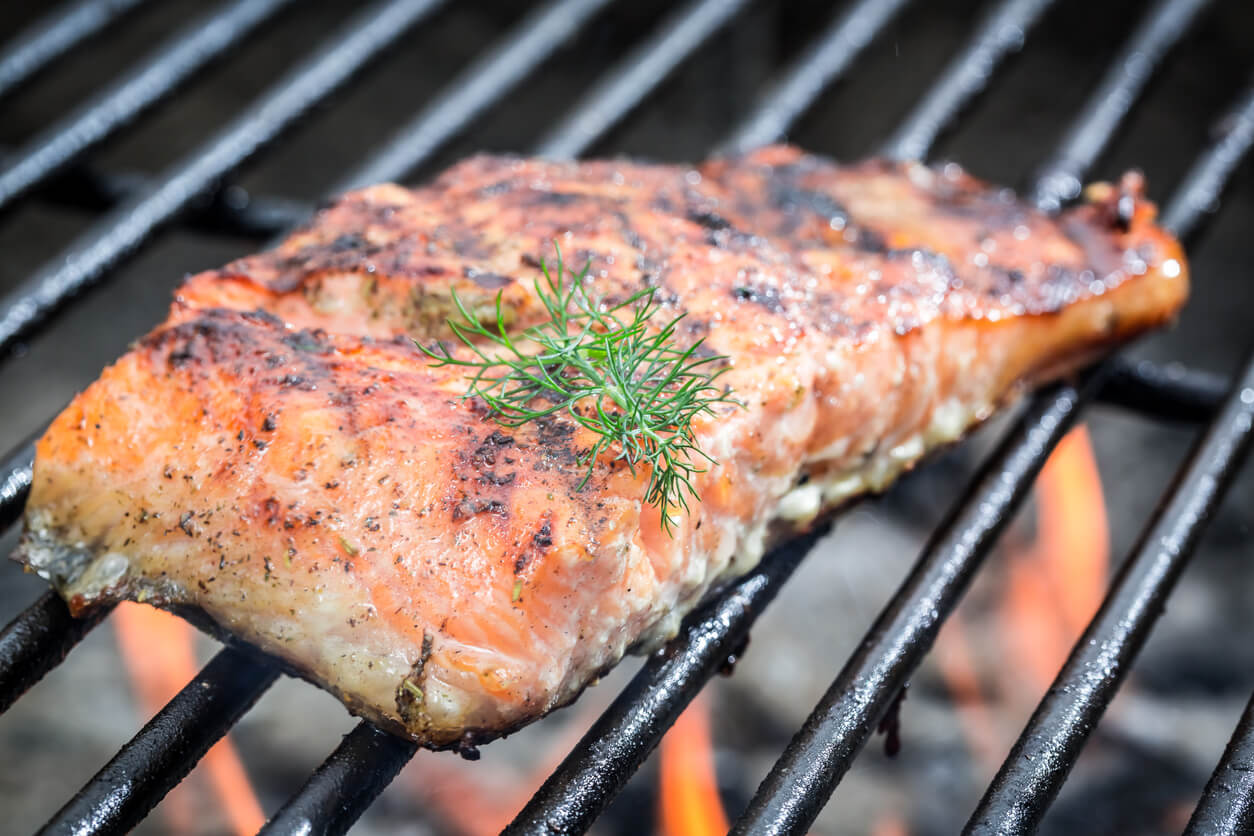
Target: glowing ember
[157, 649]
[689, 802]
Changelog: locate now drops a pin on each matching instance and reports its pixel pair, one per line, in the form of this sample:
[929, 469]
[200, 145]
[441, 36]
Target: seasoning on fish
[280, 459]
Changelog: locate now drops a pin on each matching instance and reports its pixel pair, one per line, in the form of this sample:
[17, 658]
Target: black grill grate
[864, 691]
[1227, 804]
[126, 99]
[54, 36]
[625, 86]
[1043, 756]
[167, 748]
[133, 222]
[1061, 178]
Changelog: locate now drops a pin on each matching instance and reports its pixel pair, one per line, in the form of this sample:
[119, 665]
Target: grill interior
[176, 187]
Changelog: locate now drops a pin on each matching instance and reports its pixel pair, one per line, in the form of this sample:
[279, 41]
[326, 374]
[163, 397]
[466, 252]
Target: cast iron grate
[865, 689]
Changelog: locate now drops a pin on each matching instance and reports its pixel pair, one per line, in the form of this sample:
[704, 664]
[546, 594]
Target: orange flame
[890, 824]
[1073, 536]
[157, 649]
[1056, 587]
[689, 800]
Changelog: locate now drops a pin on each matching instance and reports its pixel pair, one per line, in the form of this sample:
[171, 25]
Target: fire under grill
[192, 191]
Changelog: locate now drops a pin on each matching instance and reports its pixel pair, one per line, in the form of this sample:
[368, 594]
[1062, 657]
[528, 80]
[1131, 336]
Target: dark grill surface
[192, 190]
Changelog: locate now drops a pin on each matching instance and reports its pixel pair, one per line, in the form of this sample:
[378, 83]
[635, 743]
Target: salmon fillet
[280, 459]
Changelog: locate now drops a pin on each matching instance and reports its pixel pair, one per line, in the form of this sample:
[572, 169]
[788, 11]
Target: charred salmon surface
[280, 458]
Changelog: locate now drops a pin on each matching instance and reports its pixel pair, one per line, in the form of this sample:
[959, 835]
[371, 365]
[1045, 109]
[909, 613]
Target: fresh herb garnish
[608, 368]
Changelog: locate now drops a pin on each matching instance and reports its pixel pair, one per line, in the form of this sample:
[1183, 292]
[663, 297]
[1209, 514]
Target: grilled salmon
[280, 458]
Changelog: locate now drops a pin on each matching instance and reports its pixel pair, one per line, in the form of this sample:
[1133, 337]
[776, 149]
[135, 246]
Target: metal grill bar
[1059, 180]
[801, 781]
[155, 79]
[817, 69]
[37, 641]
[1002, 33]
[623, 88]
[1168, 393]
[1227, 804]
[1204, 184]
[123, 231]
[230, 211]
[55, 35]
[167, 748]
[15, 478]
[345, 784]
[1044, 754]
[482, 84]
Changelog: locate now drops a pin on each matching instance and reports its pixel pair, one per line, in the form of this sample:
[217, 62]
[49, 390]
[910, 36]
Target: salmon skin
[281, 459]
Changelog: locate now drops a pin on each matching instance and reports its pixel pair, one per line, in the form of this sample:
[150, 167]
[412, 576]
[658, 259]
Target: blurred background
[1153, 752]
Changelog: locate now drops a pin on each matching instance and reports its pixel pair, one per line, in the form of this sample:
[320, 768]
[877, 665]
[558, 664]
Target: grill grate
[1199, 195]
[1043, 756]
[1061, 178]
[54, 36]
[1001, 33]
[626, 85]
[1227, 804]
[134, 222]
[167, 748]
[155, 79]
[864, 691]
[37, 641]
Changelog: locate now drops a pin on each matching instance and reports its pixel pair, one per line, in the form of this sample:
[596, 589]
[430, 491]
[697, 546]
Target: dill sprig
[606, 366]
